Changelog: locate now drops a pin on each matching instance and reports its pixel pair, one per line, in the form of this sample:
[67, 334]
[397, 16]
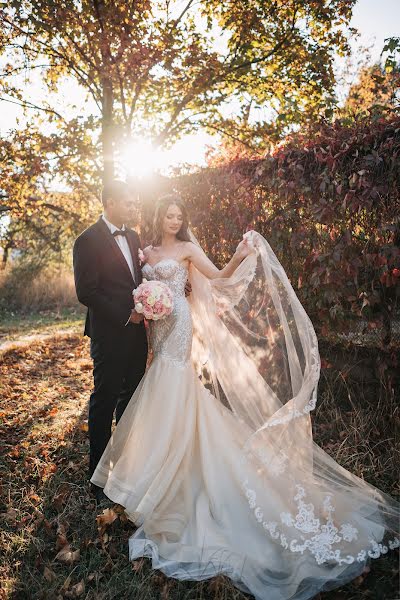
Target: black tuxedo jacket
[103, 280]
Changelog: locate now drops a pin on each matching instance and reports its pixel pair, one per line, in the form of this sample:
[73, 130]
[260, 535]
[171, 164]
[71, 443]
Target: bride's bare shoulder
[187, 248]
[193, 249]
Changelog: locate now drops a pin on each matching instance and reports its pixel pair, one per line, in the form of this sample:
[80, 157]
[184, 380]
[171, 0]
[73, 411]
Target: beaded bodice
[172, 272]
[171, 337]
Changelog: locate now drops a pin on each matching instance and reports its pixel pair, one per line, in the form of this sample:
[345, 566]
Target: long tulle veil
[256, 350]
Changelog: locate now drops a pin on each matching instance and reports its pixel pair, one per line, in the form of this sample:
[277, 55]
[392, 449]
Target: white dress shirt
[124, 247]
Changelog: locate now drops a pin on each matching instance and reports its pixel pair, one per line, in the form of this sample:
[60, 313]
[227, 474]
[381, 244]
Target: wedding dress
[222, 476]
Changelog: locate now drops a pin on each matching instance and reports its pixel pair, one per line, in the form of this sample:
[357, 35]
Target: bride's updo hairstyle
[163, 204]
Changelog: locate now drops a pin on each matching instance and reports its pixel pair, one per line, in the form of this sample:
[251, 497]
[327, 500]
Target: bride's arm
[197, 256]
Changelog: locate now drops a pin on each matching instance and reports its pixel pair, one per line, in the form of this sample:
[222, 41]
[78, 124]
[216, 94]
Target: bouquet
[153, 299]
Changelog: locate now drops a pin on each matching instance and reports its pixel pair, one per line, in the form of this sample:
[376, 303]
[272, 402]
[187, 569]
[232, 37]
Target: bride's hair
[163, 204]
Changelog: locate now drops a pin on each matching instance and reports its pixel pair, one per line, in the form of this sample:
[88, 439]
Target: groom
[106, 270]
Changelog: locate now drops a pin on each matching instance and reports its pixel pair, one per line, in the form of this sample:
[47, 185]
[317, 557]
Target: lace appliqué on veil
[326, 535]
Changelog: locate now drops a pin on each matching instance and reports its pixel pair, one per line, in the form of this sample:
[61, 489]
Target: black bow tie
[119, 232]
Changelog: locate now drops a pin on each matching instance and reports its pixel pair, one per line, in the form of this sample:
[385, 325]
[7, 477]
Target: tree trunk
[6, 250]
[107, 131]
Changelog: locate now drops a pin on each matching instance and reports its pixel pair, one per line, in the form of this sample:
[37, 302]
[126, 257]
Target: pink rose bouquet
[153, 299]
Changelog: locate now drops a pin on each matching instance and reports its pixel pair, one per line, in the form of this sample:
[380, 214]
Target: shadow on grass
[16, 326]
[47, 510]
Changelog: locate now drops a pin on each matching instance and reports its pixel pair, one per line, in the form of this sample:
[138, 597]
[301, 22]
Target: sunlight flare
[140, 159]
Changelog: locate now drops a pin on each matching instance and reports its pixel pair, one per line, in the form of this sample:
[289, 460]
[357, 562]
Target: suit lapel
[134, 252]
[115, 248]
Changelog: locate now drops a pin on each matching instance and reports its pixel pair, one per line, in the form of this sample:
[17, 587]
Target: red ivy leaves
[327, 201]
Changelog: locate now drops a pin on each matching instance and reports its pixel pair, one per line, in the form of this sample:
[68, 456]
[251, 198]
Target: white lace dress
[175, 463]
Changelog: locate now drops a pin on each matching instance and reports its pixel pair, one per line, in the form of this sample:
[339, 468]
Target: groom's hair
[113, 189]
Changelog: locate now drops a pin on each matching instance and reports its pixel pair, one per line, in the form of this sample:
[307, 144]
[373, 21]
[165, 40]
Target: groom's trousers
[119, 363]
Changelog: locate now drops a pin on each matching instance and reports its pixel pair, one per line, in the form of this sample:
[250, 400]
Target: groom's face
[122, 207]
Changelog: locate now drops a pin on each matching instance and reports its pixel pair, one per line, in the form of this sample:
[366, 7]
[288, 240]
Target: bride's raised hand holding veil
[225, 477]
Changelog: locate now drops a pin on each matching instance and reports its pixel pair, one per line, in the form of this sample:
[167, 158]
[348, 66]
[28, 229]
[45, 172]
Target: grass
[52, 545]
[34, 304]
[15, 324]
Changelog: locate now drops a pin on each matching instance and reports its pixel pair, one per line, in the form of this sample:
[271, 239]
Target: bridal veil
[256, 350]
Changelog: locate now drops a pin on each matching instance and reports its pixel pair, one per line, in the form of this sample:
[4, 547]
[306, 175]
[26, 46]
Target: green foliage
[284, 66]
[392, 47]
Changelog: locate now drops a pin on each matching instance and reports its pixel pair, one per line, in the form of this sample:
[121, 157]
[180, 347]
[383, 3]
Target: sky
[375, 20]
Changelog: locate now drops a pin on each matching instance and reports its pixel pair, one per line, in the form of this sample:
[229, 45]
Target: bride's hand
[244, 248]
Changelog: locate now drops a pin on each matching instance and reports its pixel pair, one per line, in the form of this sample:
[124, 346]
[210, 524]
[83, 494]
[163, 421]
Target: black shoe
[101, 498]
[99, 494]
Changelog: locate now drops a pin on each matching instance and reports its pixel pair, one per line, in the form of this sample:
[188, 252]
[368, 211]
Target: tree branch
[27, 104]
[178, 126]
[82, 75]
[7, 73]
[177, 21]
[233, 137]
[275, 49]
[162, 136]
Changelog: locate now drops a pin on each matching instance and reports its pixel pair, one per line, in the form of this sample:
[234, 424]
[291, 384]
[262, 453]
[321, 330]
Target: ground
[55, 544]
[27, 326]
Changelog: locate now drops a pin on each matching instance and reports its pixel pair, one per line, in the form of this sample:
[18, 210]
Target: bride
[213, 459]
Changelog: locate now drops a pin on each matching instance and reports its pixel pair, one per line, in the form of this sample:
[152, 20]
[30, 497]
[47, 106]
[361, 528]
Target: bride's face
[173, 220]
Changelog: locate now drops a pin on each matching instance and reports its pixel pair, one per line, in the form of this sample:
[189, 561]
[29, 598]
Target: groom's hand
[188, 288]
[135, 317]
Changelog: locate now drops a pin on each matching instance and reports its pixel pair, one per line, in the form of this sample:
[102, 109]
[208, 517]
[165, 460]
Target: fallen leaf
[105, 538]
[60, 497]
[38, 520]
[35, 498]
[48, 526]
[137, 565]
[66, 584]
[107, 517]
[61, 536]
[86, 366]
[10, 516]
[77, 590]
[49, 575]
[165, 591]
[67, 555]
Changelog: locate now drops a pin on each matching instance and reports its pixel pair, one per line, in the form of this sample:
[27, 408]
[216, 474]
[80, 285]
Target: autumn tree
[376, 90]
[39, 221]
[161, 69]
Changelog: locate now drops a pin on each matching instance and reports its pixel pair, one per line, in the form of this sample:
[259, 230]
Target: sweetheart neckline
[180, 264]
